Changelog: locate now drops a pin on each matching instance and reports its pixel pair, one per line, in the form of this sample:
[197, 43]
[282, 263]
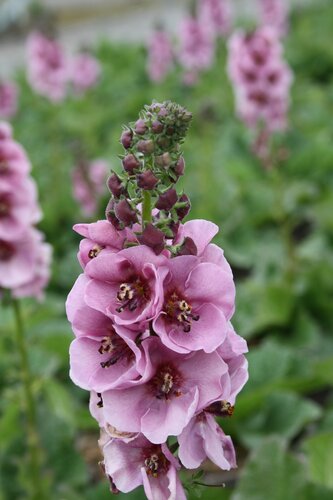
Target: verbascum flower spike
[151, 316]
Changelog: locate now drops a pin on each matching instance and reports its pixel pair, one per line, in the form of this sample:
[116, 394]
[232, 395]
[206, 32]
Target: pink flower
[199, 299]
[8, 99]
[24, 256]
[41, 275]
[160, 56]
[196, 51]
[98, 236]
[177, 388]
[89, 183]
[274, 13]
[140, 462]
[18, 262]
[84, 71]
[127, 286]
[18, 207]
[203, 438]
[215, 16]
[106, 356]
[47, 67]
[200, 231]
[14, 164]
[260, 77]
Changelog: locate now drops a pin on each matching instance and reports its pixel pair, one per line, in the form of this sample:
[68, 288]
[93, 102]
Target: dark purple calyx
[167, 200]
[115, 186]
[147, 180]
[130, 163]
[126, 138]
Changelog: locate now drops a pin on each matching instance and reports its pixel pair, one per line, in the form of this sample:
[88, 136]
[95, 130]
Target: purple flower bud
[125, 213]
[110, 215]
[163, 142]
[183, 210]
[167, 200]
[140, 127]
[130, 163]
[147, 180]
[146, 147]
[162, 113]
[170, 130]
[126, 138]
[115, 185]
[180, 167]
[157, 127]
[188, 247]
[153, 238]
[163, 160]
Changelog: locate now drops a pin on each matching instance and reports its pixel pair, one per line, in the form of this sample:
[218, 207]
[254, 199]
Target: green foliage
[276, 228]
[273, 473]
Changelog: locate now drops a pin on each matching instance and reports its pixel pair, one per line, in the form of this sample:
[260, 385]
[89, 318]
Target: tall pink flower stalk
[47, 67]
[261, 80]
[196, 50]
[160, 55]
[24, 255]
[52, 73]
[84, 71]
[89, 184]
[215, 16]
[151, 314]
[274, 13]
[8, 99]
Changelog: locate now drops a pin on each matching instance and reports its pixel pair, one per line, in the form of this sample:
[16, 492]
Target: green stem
[146, 209]
[32, 426]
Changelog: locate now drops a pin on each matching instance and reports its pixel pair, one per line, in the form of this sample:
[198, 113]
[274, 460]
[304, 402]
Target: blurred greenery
[276, 230]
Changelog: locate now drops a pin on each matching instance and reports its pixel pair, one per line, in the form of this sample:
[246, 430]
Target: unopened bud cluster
[152, 163]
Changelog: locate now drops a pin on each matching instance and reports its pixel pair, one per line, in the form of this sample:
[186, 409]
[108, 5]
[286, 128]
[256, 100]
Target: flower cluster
[196, 44]
[8, 99]
[24, 256]
[215, 15]
[51, 71]
[151, 316]
[89, 184]
[261, 79]
[160, 55]
[274, 13]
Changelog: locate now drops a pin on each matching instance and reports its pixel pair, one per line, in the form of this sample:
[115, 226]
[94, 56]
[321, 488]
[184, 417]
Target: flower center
[94, 251]
[4, 206]
[260, 97]
[3, 164]
[221, 409]
[6, 250]
[132, 295]
[166, 383]
[117, 348]
[179, 310]
[155, 461]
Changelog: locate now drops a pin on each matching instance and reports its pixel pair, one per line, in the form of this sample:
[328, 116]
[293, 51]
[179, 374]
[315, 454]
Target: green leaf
[283, 414]
[271, 473]
[319, 450]
[60, 402]
[263, 305]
